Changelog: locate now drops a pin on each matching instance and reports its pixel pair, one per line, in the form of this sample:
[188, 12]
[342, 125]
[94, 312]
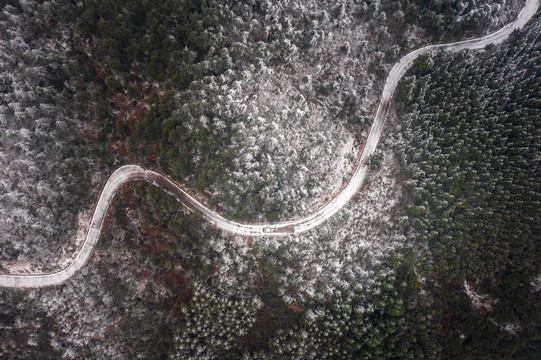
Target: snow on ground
[481, 303]
[536, 283]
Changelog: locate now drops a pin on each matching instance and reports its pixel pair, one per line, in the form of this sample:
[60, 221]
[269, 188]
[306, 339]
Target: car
[265, 230]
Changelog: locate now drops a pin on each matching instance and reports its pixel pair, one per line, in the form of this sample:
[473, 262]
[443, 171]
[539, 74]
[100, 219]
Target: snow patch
[481, 303]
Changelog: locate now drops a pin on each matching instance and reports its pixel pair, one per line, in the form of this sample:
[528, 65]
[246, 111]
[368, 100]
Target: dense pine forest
[259, 108]
[472, 125]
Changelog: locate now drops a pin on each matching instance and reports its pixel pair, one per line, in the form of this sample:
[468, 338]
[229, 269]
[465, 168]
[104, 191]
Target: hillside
[472, 129]
[259, 108]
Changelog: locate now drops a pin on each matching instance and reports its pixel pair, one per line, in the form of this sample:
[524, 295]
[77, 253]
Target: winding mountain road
[133, 172]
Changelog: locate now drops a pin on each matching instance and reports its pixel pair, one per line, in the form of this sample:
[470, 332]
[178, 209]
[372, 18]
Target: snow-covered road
[133, 172]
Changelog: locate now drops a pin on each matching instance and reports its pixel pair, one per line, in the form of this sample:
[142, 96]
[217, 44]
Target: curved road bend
[133, 172]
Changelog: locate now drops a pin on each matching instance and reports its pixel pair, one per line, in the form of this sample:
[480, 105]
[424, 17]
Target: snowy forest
[259, 109]
[472, 126]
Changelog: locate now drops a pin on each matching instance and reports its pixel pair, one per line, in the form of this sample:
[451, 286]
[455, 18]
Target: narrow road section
[134, 172]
